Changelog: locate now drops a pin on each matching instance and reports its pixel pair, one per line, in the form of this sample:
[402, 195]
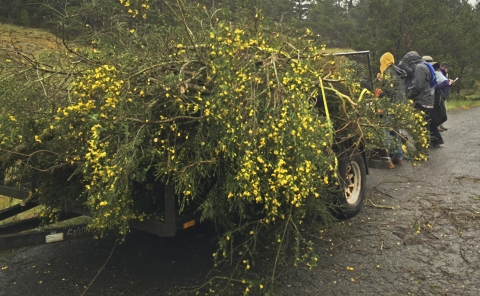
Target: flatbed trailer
[30, 232]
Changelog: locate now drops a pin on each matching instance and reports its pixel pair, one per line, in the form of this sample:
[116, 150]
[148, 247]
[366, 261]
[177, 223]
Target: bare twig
[50, 169]
[381, 207]
[160, 65]
[28, 155]
[319, 238]
[379, 191]
[196, 163]
[279, 247]
[64, 41]
[197, 288]
[162, 121]
[42, 84]
[103, 266]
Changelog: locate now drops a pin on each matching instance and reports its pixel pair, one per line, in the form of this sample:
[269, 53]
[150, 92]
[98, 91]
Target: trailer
[31, 231]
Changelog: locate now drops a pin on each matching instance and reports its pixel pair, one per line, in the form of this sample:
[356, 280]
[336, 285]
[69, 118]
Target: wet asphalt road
[428, 244]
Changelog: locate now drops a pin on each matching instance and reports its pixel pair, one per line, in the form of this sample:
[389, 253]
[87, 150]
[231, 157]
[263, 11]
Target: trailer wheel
[352, 173]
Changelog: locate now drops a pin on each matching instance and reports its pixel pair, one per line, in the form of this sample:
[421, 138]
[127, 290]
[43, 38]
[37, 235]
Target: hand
[451, 81]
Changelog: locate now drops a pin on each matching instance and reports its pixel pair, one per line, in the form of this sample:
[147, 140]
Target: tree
[442, 29]
[330, 20]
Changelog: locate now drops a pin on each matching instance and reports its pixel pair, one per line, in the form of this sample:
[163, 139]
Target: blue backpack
[433, 77]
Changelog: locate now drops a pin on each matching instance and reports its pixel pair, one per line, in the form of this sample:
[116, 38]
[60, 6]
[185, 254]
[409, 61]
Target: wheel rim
[353, 182]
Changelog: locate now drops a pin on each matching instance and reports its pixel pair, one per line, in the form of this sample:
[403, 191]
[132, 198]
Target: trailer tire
[352, 173]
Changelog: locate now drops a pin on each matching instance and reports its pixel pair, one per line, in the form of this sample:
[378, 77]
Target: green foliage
[329, 21]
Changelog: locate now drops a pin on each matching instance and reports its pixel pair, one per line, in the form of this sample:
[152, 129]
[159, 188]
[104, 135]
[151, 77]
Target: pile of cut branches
[235, 115]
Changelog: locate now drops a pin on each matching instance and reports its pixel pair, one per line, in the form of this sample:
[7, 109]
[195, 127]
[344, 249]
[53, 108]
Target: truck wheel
[352, 173]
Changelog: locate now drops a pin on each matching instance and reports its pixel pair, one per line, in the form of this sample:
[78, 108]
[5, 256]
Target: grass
[27, 40]
[338, 50]
[21, 44]
[465, 102]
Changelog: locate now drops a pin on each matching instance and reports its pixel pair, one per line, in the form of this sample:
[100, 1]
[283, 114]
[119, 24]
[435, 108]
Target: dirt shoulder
[417, 235]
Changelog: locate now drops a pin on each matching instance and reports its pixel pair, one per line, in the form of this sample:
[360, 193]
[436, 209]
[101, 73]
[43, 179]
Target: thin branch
[184, 22]
[162, 121]
[103, 266]
[28, 155]
[159, 65]
[196, 163]
[41, 83]
[381, 207]
[50, 169]
[378, 190]
[64, 42]
[207, 283]
[280, 245]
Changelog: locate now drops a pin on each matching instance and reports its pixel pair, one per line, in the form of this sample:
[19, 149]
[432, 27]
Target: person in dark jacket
[422, 92]
[442, 90]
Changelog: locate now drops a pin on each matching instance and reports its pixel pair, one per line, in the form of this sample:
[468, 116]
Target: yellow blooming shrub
[232, 114]
[136, 8]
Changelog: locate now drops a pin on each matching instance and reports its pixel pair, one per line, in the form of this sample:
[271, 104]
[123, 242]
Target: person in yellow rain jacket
[392, 85]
